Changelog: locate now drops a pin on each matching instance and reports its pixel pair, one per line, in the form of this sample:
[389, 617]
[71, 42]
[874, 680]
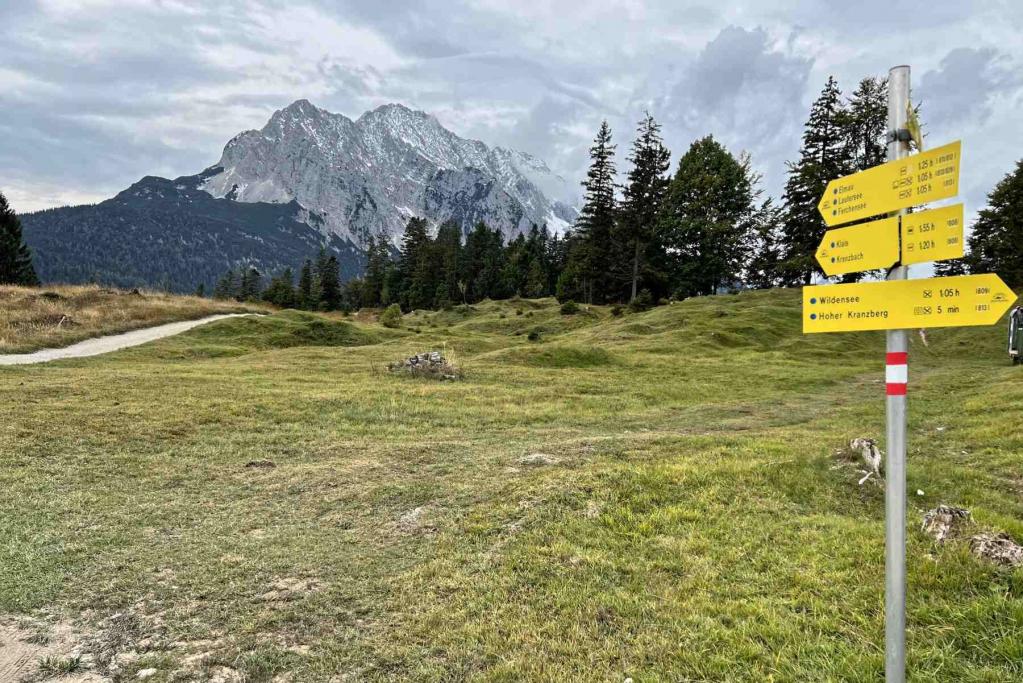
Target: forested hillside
[167, 234]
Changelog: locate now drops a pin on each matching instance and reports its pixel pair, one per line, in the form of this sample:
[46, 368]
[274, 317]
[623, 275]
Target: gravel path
[113, 342]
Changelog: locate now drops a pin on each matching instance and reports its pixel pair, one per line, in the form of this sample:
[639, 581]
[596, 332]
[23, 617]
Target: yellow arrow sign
[860, 247]
[898, 184]
[934, 235]
[962, 300]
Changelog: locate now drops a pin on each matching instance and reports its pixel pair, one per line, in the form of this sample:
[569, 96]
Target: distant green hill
[167, 234]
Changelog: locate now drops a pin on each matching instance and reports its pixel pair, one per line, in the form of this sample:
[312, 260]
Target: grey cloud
[963, 85]
[103, 96]
[744, 92]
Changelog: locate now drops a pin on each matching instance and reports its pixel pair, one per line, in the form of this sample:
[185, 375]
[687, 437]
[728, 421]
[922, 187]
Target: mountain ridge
[369, 175]
[308, 178]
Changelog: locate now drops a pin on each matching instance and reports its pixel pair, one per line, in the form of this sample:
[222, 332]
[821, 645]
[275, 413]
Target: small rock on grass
[416, 520]
[260, 464]
[538, 460]
[944, 522]
[291, 589]
[145, 673]
[998, 548]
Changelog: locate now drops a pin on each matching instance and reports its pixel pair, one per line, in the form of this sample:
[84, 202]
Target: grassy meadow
[654, 496]
[61, 315]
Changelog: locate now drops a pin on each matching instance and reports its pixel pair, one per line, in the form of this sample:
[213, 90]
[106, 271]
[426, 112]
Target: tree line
[318, 288]
[426, 272]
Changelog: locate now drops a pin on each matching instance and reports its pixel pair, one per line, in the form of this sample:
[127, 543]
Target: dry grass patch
[56, 316]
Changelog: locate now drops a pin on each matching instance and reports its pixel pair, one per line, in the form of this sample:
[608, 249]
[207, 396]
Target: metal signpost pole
[895, 468]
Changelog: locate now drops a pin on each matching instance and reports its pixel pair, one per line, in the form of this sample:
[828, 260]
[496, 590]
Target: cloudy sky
[97, 93]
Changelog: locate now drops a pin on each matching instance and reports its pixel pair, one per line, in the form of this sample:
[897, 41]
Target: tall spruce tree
[251, 285]
[825, 155]
[305, 295]
[865, 120]
[536, 264]
[228, 286]
[328, 274]
[708, 217]
[763, 268]
[642, 199]
[373, 280]
[418, 279]
[378, 261]
[591, 251]
[482, 264]
[15, 258]
[996, 243]
[866, 124]
[281, 290]
[448, 257]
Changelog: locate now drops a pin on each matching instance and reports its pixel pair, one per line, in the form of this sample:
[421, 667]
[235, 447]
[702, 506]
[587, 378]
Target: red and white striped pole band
[896, 373]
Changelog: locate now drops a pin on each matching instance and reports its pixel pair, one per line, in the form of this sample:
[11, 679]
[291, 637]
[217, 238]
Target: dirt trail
[22, 650]
[113, 342]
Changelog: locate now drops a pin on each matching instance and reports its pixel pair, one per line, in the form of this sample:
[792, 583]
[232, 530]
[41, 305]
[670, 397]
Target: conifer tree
[515, 264]
[305, 287]
[708, 217]
[448, 255]
[377, 262]
[251, 285]
[824, 156]
[763, 268]
[281, 290]
[328, 275]
[866, 124]
[15, 258]
[535, 276]
[591, 250]
[482, 263]
[557, 258]
[642, 198]
[228, 286]
[418, 282]
[996, 243]
[956, 266]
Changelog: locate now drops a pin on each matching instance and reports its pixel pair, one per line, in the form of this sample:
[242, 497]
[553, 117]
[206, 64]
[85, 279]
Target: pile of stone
[947, 523]
[432, 365]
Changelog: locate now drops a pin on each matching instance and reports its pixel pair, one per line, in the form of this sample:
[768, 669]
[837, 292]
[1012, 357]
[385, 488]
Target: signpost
[960, 301]
[868, 246]
[898, 184]
[935, 235]
[898, 303]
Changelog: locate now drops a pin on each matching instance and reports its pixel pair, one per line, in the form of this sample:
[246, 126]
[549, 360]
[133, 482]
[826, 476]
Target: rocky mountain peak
[368, 176]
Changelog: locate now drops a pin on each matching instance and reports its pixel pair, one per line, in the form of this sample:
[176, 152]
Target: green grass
[60, 666]
[693, 527]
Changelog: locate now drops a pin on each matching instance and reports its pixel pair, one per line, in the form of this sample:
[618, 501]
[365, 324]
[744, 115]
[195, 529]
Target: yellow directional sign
[898, 184]
[935, 235]
[861, 247]
[962, 300]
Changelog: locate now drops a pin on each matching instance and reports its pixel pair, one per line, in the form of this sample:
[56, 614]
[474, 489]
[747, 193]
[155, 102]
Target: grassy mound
[287, 329]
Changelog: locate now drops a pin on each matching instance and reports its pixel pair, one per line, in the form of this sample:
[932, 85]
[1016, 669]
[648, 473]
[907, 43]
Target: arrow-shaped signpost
[867, 246]
[898, 184]
[960, 301]
[897, 304]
